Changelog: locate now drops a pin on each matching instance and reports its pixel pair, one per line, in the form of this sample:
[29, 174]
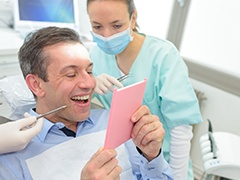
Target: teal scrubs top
[169, 93]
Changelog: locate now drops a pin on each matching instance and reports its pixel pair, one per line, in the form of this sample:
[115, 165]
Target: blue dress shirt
[14, 167]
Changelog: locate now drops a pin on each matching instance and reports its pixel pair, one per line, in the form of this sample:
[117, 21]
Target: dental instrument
[53, 111]
[123, 77]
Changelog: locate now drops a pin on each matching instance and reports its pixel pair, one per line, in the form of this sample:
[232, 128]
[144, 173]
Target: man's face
[70, 83]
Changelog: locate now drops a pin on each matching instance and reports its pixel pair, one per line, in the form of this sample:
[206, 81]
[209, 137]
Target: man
[58, 70]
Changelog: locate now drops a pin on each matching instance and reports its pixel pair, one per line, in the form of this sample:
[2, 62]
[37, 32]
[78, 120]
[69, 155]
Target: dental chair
[220, 154]
[17, 95]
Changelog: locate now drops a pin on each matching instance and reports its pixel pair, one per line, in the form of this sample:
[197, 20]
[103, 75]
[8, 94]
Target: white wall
[154, 16]
[211, 35]
[84, 22]
[5, 13]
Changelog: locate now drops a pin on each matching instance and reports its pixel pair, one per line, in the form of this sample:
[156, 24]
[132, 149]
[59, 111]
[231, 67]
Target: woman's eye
[97, 27]
[117, 26]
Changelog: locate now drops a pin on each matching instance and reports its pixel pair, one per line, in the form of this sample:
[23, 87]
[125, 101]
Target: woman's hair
[130, 4]
[31, 55]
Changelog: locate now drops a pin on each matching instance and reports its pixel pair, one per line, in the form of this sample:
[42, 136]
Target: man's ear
[34, 84]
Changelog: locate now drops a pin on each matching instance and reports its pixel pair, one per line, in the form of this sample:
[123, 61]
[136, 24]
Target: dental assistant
[120, 50]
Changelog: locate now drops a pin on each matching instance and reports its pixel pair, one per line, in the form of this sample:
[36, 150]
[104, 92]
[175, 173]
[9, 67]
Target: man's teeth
[80, 98]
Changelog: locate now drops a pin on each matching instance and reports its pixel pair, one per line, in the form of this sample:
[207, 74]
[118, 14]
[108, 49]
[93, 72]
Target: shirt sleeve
[180, 145]
[157, 169]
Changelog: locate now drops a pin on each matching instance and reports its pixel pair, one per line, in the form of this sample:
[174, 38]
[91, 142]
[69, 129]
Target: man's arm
[147, 135]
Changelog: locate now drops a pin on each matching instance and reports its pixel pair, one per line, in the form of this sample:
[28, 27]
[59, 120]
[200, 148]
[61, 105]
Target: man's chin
[83, 115]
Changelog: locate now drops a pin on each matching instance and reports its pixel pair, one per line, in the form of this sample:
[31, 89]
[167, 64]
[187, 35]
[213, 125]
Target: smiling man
[58, 71]
[67, 80]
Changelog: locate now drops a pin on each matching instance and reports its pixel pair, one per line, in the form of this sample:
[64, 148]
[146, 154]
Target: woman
[169, 94]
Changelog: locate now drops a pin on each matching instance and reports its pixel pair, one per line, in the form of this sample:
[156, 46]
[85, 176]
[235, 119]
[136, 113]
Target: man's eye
[71, 75]
[89, 72]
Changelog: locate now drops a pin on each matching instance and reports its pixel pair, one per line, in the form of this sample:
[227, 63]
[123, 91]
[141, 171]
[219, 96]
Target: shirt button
[150, 168]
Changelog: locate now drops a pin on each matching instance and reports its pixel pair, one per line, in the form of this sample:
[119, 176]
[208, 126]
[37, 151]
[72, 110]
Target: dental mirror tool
[53, 111]
[123, 77]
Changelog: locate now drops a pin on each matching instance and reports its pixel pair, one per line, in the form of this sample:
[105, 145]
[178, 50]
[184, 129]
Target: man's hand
[105, 82]
[147, 133]
[102, 165]
[16, 135]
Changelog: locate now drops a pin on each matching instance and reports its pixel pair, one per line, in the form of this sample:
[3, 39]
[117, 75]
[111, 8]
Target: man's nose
[86, 81]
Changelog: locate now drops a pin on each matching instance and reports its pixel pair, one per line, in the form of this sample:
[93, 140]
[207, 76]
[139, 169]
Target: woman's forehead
[115, 8]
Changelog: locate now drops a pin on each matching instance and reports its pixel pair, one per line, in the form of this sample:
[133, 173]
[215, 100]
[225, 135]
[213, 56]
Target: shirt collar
[47, 125]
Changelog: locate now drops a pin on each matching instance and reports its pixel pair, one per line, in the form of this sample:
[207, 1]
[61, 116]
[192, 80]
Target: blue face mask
[114, 44]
